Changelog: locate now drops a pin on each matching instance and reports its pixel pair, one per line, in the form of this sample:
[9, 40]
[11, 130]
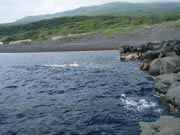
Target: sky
[11, 10]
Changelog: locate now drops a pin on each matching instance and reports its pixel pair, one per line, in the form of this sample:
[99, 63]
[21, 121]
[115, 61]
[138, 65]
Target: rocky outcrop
[150, 55]
[167, 71]
[154, 68]
[170, 48]
[170, 65]
[162, 60]
[173, 95]
[166, 125]
[145, 64]
[164, 82]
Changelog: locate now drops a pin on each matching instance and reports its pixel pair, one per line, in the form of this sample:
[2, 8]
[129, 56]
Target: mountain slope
[64, 26]
[117, 8]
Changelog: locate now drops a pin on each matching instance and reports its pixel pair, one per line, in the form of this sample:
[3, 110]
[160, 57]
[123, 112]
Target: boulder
[173, 95]
[139, 49]
[150, 55]
[167, 48]
[164, 82]
[170, 48]
[157, 46]
[147, 47]
[125, 49]
[166, 125]
[154, 68]
[175, 84]
[145, 64]
[170, 65]
[177, 49]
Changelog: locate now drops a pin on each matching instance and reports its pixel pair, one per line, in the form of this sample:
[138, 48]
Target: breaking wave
[63, 65]
[137, 104]
[72, 93]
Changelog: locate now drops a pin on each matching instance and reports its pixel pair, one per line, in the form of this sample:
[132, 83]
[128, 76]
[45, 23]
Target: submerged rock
[166, 125]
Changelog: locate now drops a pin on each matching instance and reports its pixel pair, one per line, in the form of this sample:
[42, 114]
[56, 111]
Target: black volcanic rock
[164, 82]
[173, 95]
[163, 62]
[155, 67]
[150, 55]
[166, 125]
[170, 65]
[170, 48]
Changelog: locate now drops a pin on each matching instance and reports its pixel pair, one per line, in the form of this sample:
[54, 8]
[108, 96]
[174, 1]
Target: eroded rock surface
[166, 125]
[162, 60]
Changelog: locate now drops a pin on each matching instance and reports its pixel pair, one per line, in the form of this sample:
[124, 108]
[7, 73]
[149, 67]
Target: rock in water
[166, 125]
[145, 64]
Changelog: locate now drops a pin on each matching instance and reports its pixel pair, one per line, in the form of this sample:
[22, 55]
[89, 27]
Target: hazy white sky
[11, 10]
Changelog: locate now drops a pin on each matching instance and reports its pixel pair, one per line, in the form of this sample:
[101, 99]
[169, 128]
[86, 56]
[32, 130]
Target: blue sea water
[74, 93]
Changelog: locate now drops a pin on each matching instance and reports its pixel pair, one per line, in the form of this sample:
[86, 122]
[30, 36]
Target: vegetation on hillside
[116, 9]
[46, 29]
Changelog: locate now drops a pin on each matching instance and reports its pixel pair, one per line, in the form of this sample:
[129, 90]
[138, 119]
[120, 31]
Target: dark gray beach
[99, 41]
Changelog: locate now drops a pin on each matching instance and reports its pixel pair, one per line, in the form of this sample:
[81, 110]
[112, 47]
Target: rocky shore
[162, 61]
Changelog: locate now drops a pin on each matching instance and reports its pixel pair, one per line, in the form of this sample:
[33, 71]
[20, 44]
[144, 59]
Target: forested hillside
[117, 9]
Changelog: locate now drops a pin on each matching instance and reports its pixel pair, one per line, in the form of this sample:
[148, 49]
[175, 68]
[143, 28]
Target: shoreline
[164, 69]
[99, 41]
[162, 61]
[80, 50]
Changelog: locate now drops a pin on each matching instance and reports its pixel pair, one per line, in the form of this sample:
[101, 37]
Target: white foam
[63, 65]
[132, 103]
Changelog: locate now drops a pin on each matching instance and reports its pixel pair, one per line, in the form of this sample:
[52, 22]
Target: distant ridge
[116, 8]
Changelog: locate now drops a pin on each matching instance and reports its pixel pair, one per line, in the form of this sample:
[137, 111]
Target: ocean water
[74, 93]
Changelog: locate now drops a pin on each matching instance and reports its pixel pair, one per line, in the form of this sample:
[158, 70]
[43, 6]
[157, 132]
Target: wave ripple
[74, 93]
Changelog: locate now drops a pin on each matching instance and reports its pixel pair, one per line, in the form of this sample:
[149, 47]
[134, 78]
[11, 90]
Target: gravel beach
[99, 41]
